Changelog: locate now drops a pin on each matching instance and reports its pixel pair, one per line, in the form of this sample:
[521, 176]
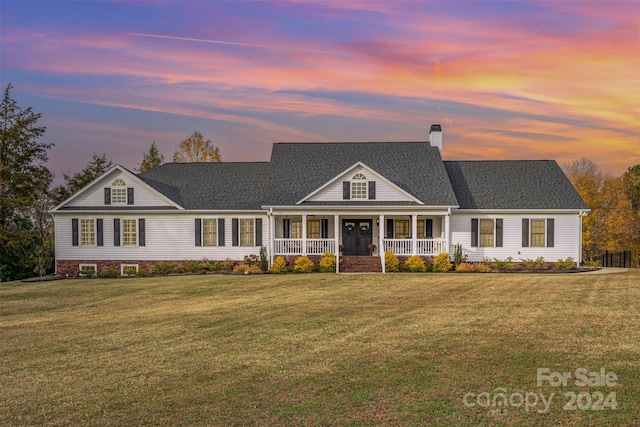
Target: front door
[356, 236]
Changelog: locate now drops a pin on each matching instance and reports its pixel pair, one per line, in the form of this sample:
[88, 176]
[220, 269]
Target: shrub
[457, 255]
[303, 265]
[264, 264]
[214, 266]
[391, 262]
[109, 273]
[415, 264]
[251, 260]
[469, 267]
[565, 264]
[194, 266]
[164, 268]
[228, 264]
[279, 265]
[441, 263]
[247, 269]
[142, 273]
[533, 264]
[328, 262]
[504, 265]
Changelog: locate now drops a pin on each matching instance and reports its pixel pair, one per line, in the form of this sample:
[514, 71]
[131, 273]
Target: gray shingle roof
[512, 184]
[298, 169]
[215, 185]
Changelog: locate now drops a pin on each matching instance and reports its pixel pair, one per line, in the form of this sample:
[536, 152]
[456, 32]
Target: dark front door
[356, 236]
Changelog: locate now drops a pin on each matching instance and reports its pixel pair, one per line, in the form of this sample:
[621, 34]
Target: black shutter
[234, 232]
[74, 232]
[372, 190]
[107, 196]
[116, 232]
[130, 195]
[474, 232]
[498, 232]
[389, 231]
[220, 231]
[324, 228]
[141, 232]
[550, 232]
[100, 232]
[198, 231]
[346, 190]
[428, 228]
[525, 232]
[286, 228]
[258, 236]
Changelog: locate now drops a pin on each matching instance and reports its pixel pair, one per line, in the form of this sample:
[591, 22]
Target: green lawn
[318, 349]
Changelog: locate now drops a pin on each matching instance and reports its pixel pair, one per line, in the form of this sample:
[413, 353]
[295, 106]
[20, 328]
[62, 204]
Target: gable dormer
[359, 183]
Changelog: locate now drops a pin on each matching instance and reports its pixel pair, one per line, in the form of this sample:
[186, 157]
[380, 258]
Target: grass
[318, 349]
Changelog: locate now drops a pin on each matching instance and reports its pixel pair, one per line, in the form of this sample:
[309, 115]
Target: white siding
[168, 237]
[384, 192]
[95, 195]
[566, 244]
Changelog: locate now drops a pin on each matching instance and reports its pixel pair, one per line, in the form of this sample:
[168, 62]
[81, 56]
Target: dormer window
[118, 193]
[359, 188]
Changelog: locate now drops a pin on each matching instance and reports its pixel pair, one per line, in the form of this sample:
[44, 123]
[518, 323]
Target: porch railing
[423, 246]
[294, 246]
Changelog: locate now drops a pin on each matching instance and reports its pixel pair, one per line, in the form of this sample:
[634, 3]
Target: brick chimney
[435, 137]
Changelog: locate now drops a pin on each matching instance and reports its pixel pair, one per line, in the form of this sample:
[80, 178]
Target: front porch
[359, 234]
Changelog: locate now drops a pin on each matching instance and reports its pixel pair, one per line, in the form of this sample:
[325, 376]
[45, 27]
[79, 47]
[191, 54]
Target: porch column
[336, 234]
[304, 234]
[272, 236]
[381, 250]
[414, 234]
[446, 232]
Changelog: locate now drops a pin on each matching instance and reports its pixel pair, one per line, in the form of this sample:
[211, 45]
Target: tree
[589, 181]
[95, 168]
[23, 180]
[631, 185]
[151, 159]
[196, 149]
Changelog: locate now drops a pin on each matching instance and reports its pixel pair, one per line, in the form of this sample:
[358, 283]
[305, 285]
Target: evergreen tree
[95, 168]
[24, 179]
[151, 159]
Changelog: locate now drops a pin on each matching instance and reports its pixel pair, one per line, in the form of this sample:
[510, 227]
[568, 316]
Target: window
[296, 229]
[402, 229]
[246, 232]
[209, 232]
[128, 269]
[537, 233]
[486, 233]
[359, 186]
[129, 232]
[88, 270]
[313, 229]
[87, 232]
[118, 192]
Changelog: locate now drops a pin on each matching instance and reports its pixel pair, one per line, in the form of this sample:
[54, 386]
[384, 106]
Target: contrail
[261, 46]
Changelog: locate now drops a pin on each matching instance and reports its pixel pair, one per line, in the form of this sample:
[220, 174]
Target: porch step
[360, 264]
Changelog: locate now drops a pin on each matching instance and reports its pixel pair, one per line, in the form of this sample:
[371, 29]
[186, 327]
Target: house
[350, 199]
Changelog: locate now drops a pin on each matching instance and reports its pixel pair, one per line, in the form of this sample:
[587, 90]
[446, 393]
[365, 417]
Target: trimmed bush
[303, 265]
[391, 262]
[505, 265]
[109, 273]
[457, 255]
[194, 266]
[565, 264]
[264, 264]
[279, 265]
[328, 263]
[441, 263]
[415, 264]
[247, 269]
[471, 267]
[533, 264]
[164, 268]
[228, 264]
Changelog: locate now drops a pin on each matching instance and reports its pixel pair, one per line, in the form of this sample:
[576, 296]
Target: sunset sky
[507, 80]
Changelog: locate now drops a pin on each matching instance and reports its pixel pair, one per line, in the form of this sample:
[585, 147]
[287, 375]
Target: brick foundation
[72, 268]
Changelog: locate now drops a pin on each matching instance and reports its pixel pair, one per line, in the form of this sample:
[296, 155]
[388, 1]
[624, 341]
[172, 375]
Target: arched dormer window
[358, 186]
[118, 192]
